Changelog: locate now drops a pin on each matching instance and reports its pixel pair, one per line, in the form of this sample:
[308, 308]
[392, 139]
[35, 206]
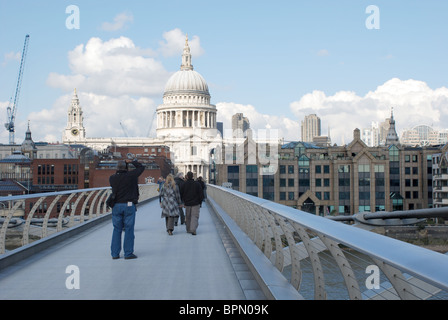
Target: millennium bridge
[246, 248]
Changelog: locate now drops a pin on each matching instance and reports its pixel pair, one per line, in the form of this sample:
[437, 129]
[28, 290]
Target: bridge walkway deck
[179, 267]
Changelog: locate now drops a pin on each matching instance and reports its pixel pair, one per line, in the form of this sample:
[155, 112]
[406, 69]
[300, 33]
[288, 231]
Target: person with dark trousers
[124, 185]
[192, 196]
[204, 187]
[179, 179]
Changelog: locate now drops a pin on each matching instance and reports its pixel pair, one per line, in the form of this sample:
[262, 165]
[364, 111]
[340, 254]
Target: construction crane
[150, 124]
[124, 130]
[12, 110]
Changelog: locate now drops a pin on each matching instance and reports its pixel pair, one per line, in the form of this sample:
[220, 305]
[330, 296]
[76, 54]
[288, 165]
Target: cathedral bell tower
[74, 131]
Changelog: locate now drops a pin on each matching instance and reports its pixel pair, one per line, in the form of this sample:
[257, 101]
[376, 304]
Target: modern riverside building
[340, 180]
[440, 174]
[422, 135]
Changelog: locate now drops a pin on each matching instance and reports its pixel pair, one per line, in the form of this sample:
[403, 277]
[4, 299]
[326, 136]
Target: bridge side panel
[272, 282]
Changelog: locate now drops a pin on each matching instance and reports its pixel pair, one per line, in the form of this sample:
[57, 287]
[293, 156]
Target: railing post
[344, 266]
[5, 226]
[399, 283]
[47, 215]
[62, 212]
[319, 282]
[279, 257]
[26, 229]
[81, 196]
[296, 272]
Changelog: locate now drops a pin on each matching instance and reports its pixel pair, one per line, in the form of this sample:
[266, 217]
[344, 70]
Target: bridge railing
[27, 218]
[326, 259]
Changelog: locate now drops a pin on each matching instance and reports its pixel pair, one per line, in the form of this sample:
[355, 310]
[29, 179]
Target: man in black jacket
[124, 185]
[192, 196]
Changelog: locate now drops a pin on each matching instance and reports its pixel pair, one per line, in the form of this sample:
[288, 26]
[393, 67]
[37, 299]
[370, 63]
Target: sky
[274, 61]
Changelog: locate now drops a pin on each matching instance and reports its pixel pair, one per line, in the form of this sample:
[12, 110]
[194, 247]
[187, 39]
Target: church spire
[75, 99]
[75, 128]
[186, 57]
[28, 132]
[28, 147]
[392, 137]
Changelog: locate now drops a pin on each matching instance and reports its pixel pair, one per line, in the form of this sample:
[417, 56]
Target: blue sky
[276, 61]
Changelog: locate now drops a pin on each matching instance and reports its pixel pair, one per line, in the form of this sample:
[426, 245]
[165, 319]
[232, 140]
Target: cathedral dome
[186, 81]
[186, 86]
[186, 104]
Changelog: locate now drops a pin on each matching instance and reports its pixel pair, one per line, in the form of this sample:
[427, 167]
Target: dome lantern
[186, 57]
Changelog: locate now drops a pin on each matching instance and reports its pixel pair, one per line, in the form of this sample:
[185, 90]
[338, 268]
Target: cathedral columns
[197, 169]
[186, 119]
[169, 119]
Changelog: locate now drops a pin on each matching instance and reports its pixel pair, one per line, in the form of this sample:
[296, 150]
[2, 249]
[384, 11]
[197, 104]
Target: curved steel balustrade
[320, 255]
[67, 209]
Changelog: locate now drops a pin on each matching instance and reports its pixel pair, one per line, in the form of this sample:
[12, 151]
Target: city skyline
[273, 62]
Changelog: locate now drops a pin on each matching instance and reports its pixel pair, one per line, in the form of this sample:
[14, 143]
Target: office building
[311, 127]
[240, 124]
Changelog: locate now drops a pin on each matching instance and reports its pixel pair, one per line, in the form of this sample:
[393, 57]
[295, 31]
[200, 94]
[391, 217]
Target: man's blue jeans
[123, 216]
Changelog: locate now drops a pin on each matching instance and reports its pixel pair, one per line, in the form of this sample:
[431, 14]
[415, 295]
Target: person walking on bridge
[179, 179]
[170, 202]
[192, 196]
[124, 185]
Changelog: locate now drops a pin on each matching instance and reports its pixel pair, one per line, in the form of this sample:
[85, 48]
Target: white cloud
[46, 124]
[413, 102]
[120, 82]
[287, 128]
[102, 117]
[135, 114]
[11, 56]
[323, 53]
[174, 42]
[119, 23]
[114, 67]
[116, 82]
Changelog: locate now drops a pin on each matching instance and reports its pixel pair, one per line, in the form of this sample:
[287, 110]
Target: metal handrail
[279, 230]
[84, 204]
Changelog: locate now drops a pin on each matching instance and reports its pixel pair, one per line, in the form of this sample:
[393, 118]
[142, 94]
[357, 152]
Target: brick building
[156, 159]
[89, 170]
[57, 174]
